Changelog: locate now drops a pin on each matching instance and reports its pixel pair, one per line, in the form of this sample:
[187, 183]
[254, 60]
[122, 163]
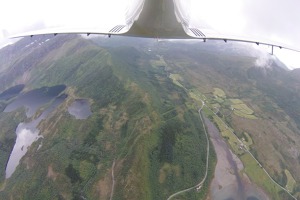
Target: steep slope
[142, 141]
[260, 103]
[256, 101]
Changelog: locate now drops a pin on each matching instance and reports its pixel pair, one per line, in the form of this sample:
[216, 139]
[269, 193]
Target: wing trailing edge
[164, 19]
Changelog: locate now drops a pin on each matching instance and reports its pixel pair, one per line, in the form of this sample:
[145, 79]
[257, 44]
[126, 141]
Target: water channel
[228, 182]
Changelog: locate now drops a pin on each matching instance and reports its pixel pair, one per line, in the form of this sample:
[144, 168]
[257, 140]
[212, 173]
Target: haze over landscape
[98, 117]
[268, 20]
[117, 119]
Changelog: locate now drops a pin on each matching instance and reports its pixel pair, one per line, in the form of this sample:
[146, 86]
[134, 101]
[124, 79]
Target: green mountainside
[145, 139]
[141, 129]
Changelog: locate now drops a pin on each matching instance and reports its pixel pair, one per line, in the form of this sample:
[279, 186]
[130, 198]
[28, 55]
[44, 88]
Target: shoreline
[228, 182]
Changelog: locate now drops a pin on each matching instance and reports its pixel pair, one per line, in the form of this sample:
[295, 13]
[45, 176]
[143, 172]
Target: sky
[275, 20]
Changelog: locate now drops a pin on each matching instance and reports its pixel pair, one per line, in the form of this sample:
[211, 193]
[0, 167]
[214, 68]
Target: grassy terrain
[145, 119]
[219, 93]
[242, 110]
[252, 169]
[141, 128]
[227, 133]
[176, 78]
[247, 140]
[237, 84]
[236, 101]
[255, 172]
[290, 181]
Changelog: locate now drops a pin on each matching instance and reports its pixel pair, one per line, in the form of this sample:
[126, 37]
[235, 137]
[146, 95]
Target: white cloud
[272, 20]
[17, 15]
[223, 16]
[25, 137]
[290, 58]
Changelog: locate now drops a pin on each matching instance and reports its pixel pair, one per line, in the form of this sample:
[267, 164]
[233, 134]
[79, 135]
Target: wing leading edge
[164, 19]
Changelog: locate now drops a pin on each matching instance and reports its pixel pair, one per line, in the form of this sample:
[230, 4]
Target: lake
[27, 133]
[11, 92]
[34, 99]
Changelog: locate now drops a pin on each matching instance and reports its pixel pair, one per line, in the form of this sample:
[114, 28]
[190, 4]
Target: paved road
[199, 185]
[245, 149]
[113, 180]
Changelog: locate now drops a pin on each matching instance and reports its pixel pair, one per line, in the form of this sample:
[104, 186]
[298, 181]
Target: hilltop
[144, 139]
[141, 129]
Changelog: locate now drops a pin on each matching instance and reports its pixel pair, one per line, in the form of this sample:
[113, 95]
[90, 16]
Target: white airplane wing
[165, 19]
[104, 26]
[107, 30]
[207, 34]
[204, 33]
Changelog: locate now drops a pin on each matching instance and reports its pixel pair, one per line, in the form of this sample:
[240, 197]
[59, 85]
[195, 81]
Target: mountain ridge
[127, 127]
[145, 125]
